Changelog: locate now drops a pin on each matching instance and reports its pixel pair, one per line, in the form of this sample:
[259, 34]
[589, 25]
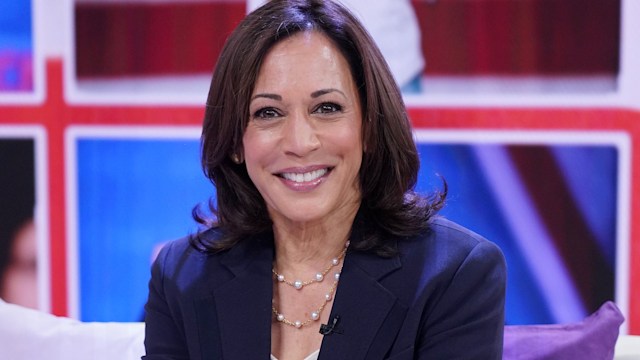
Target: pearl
[299, 284]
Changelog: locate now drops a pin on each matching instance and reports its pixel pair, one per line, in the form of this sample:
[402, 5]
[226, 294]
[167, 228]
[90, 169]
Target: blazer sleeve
[467, 321]
[164, 339]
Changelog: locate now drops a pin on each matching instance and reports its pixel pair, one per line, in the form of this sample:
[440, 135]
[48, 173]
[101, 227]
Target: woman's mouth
[304, 177]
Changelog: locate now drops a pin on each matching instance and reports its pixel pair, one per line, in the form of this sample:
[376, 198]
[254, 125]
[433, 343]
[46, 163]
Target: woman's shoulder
[183, 268]
[441, 229]
[445, 239]
[448, 252]
[188, 247]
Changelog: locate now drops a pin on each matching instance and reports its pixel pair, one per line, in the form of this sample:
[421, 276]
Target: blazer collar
[240, 308]
[365, 307]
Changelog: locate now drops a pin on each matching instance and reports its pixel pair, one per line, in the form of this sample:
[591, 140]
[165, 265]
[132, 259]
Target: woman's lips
[304, 179]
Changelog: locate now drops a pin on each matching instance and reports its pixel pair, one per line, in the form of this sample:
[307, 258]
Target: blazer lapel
[366, 309]
[241, 307]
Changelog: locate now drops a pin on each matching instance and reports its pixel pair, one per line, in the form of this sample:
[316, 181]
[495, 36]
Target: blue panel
[15, 21]
[132, 196]
[590, 173]
[16, 46]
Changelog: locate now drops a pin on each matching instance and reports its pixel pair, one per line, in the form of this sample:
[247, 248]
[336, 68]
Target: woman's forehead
[305, 58]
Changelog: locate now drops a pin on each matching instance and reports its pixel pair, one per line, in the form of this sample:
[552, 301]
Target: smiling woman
[303, 144]
[316, 222]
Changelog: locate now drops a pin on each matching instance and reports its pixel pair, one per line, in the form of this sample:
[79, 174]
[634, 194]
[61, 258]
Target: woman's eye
[328, 108]
[266, 113]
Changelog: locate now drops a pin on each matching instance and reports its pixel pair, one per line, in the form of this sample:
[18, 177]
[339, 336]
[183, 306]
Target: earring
[236, 158]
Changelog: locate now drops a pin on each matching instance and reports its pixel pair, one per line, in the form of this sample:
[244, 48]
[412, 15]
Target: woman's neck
[302, 247]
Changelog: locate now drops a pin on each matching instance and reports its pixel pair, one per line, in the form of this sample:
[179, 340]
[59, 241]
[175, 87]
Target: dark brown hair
[390, 162]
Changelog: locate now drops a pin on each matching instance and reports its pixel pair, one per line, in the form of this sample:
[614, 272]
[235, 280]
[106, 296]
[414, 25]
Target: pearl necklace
[299, 284]
[315, 315]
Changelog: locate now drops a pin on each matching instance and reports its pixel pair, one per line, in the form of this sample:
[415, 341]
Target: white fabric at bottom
[27, 334]
[312, 356]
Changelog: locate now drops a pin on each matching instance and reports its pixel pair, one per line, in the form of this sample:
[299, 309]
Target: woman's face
[303, 145]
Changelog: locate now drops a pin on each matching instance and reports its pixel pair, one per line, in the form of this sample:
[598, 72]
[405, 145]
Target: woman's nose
[300, 135]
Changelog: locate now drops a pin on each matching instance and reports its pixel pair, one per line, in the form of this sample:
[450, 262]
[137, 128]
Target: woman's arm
[164, 336]
[468, 320]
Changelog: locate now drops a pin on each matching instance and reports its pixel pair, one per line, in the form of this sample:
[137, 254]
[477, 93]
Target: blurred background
[16, 46]
[524, 107]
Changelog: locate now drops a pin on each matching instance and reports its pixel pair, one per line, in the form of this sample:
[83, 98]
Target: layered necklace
[300, 285]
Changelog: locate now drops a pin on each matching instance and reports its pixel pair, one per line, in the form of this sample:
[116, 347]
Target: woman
[320, 248]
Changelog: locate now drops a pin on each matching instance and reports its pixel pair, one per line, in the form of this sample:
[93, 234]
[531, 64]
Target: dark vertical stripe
[578, 247]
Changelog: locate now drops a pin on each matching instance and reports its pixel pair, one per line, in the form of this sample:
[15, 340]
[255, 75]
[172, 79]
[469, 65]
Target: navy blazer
[441, 297]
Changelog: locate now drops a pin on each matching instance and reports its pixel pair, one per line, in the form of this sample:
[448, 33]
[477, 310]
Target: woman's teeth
[304, 177]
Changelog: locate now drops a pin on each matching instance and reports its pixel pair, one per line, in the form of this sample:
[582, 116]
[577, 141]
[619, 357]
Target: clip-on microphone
[327, 329]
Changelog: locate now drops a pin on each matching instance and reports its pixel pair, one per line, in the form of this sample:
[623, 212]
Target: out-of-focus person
[18, 250]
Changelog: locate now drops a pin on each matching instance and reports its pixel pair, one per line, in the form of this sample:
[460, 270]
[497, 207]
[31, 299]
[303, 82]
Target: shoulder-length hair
[390, 160]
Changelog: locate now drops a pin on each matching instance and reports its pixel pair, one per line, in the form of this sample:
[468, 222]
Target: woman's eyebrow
[321, 92]
[268, 96]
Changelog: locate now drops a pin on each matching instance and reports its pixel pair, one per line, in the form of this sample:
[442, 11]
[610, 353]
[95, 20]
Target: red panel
[133, 39]
[524, 37]
[459, 37]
